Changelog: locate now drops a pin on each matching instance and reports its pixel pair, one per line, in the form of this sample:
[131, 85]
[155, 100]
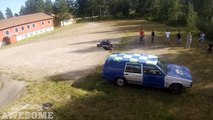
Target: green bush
[206, 27]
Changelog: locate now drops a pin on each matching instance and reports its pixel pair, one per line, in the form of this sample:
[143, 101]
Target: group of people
[178, 39]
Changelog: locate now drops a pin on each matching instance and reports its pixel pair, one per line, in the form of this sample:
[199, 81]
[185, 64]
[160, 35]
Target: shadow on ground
[71, 75]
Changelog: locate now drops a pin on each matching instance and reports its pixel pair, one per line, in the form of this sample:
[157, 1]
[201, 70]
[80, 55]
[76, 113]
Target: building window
[22, 28]
[16, 29]
[33, 25]
[28, 26]
[49, 21]
[42, 23]
[7, 32]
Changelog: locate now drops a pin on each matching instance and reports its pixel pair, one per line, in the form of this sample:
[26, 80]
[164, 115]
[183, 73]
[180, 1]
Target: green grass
[92, 98]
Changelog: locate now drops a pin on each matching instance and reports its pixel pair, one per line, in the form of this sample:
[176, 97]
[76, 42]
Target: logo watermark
[28, 111]
[27, 115]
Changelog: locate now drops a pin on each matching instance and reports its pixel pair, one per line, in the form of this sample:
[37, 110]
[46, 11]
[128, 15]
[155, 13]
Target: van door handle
[126, 74]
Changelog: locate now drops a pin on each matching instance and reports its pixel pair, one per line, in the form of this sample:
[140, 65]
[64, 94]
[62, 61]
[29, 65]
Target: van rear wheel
[120, 82]
[176, 88]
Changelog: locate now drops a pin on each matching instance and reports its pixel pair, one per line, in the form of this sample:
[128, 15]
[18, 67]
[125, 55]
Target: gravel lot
[69, 53]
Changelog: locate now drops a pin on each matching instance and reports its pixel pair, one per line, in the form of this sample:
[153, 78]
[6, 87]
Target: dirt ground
[69, 53]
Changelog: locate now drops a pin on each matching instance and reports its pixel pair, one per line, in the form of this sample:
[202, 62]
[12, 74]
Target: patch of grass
[90, 80]
[94, 99]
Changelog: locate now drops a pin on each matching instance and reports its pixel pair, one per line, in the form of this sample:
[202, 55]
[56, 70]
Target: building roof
[135, 58]
[24, 19]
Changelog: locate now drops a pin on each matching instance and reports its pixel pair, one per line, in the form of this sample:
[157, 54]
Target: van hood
[179, 71]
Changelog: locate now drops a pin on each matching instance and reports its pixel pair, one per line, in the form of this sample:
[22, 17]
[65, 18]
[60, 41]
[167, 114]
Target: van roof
[135, 58]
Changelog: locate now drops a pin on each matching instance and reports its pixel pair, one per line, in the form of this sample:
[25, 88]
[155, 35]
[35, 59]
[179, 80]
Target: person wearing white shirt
[202, 39]
[189, 40]
[167, 37]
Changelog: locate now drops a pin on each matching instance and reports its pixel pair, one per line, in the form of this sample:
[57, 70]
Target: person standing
[153, 36]
[189, 40]
[202, 39]
[167, 37]
[179, 38]
[210, 47]
[142, 36]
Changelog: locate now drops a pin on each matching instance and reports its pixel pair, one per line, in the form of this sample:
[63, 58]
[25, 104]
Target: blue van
[146, 70]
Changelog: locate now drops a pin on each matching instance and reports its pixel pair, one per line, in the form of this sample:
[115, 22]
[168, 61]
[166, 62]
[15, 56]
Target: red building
[21, 27]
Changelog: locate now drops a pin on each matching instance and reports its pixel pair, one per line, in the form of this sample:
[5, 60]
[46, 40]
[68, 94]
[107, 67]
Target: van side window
[151, 70]
[133, 68]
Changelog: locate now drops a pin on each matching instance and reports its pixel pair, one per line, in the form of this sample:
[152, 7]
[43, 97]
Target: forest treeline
[187, 13]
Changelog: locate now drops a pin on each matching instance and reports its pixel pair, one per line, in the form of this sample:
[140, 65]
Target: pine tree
[16, 15]
[62, 9]
[8, 13]
[83, 8]
[34, 6]
[22, 10]
[48, 7]
[191, 16]
[155, 9]
[73, 6]
[1, 15]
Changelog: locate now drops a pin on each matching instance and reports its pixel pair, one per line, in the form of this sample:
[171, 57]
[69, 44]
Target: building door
[6, 40]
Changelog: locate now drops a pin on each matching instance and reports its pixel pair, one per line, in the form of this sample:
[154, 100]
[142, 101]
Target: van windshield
[162, 65]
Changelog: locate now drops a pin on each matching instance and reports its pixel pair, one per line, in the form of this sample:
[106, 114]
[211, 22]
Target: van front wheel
[176, 88]
[120, 82]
